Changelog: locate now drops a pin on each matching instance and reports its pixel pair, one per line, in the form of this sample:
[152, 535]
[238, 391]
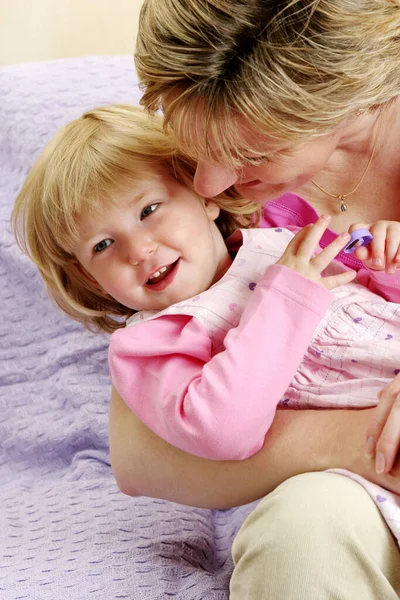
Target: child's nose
[140, 249]
[210, 180]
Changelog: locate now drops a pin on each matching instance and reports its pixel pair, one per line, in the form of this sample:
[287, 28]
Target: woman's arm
[298, 442]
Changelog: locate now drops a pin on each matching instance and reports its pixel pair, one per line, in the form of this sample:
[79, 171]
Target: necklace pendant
[343, 207]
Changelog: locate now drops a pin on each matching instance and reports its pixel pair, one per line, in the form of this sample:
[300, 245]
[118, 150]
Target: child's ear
[212, 209]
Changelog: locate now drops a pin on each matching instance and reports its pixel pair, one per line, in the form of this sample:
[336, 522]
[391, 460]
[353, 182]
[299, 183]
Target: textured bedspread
[65, 529]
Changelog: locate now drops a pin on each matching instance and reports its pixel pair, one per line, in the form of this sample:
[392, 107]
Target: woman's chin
[261, 192]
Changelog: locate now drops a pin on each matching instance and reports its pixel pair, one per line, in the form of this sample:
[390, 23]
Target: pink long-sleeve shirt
[219, 401]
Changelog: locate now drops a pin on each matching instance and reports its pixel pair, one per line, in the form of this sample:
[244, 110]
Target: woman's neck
[378, 196]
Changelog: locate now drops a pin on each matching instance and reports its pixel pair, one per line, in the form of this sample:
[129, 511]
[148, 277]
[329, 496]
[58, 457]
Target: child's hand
[383, 434]
[300, 255]
[383, 252]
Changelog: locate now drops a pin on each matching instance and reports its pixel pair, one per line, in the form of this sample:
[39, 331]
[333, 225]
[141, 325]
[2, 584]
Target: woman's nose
[140, 248]
[211, 180]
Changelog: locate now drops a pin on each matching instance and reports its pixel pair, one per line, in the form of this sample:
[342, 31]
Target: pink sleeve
[379, 282]
[219, 406]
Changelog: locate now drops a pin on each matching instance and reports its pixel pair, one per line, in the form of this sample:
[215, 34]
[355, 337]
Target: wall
[35, 30]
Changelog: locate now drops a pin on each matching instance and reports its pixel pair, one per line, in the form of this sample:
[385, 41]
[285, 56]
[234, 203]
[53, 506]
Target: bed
[66, 530]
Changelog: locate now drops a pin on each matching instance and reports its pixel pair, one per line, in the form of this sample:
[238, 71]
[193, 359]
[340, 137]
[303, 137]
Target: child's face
[156, 246]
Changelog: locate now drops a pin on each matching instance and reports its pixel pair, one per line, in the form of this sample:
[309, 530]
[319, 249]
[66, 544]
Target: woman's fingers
[383, 434]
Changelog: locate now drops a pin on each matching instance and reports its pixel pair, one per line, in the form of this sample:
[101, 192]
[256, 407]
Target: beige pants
[317, 536]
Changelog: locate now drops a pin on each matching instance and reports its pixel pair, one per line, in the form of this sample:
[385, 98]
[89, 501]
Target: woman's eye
[148, 210]
[256, 161]
[101, 246]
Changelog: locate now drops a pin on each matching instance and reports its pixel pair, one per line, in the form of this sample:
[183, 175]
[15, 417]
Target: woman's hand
[383, 433]
[383, 252]
[298, 441]
[300, 255]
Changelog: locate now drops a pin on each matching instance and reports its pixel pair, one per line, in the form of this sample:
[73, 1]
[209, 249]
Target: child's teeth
[158, 273]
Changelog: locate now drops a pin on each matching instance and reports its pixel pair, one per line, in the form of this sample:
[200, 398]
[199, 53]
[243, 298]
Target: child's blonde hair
[291, 70]
[82, 167]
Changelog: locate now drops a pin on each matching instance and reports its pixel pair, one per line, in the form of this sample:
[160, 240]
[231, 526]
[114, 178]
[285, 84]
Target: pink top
[188, 380]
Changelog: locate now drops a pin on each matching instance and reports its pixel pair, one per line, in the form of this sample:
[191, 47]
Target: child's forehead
[129, 191]
[141, 181]
[134, 189]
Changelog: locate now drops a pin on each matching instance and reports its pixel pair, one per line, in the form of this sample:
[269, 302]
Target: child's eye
[148, 210]
[101, 246]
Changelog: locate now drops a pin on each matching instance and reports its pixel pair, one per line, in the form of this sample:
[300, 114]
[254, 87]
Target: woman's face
[284, 171]
[285, 167]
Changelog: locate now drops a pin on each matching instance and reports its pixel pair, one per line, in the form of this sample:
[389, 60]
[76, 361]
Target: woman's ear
[212, 209]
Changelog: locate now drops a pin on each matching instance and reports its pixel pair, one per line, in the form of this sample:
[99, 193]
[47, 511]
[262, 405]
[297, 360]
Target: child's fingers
[291, 249]
[357, 226]
[298, 239]
[392, 248]
[363, 253]
[378, 245]
[312, 237]
[391, 263]
[383, 252]
[326, 256]
[334, 281]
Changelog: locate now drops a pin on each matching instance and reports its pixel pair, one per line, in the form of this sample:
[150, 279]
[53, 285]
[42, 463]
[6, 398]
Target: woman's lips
[249, 183]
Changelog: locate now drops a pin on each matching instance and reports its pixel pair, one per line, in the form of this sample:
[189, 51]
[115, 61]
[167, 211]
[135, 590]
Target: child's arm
[219, 406]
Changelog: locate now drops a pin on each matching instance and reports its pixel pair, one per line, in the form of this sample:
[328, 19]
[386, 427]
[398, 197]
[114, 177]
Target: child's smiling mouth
[160, 275]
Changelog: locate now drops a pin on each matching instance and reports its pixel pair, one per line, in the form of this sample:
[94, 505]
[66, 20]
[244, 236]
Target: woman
[277, 97]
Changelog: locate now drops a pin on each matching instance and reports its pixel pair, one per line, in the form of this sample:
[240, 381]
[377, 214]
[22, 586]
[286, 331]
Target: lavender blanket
[66, 531]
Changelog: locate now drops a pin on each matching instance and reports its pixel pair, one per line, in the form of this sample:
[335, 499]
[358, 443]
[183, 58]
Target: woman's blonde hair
[291, 69]
[83, 167]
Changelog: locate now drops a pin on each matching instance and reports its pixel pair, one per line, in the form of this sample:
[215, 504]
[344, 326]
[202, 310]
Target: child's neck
[223, 267]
